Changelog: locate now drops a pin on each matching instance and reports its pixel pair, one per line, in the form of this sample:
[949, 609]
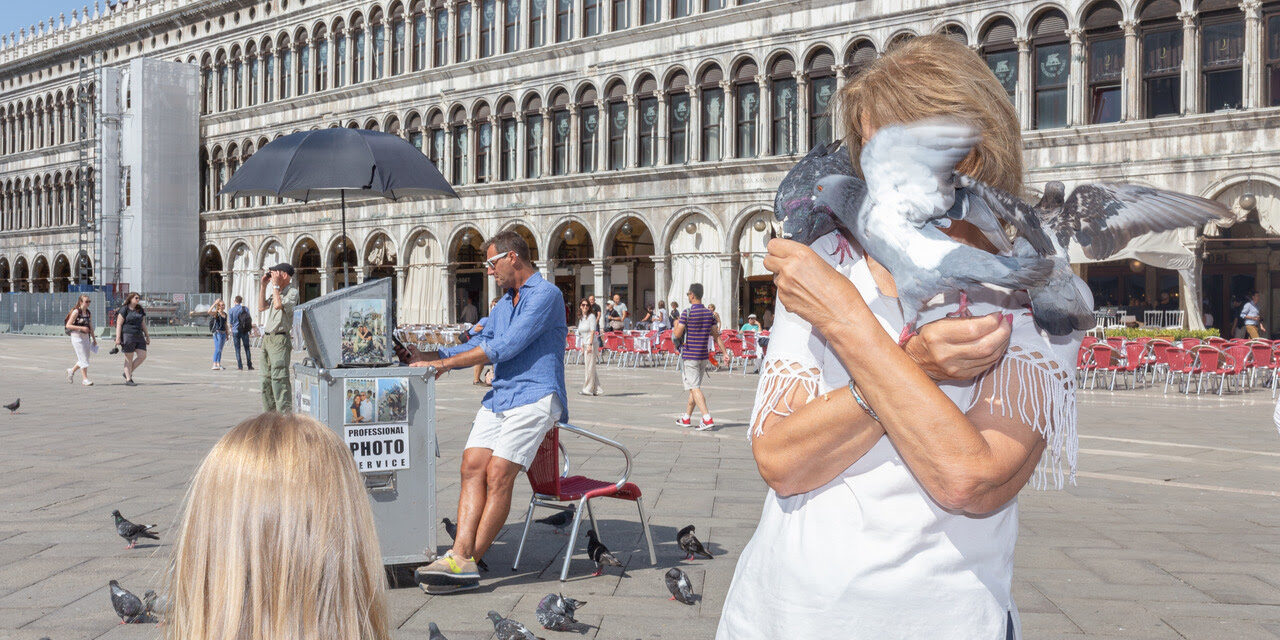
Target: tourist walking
[241, 321]
[132, 336]
[79, 325]
[698, 328]
[587, 332]
[218, 324]
[525, 340]
[277, 297]
[1252, 317]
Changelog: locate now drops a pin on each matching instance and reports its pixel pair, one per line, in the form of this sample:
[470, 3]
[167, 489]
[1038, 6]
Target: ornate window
[206, 94]
[304, 65]
[712, 5]
[286, 69]
[649, 10]
[1104, 54]
[339, 55]
[1222, 55]
[397, 40]
[747, 106]
[458, 123]
[537, 18]
[647, 113]
[268, 72]
[379, 33]
[560, 129]
[617, 106]
[509, 142]
[1273, 59]
[413, 126]
[678, 118]
[620, 18]
[1051, 56]
[357, 50]
[1001, 54]
[681, 8]
[251, 58]
[712, 102]
[462, 36]
[436, 150]
[822, 87]
[591, 19]
[511, 27]
[533, 137]
[782, 90]
[321, 46]
[418, 40]
[440, 40]
[588, 130]
[1161, 58]
[484, 142]
[488, 27]
[564, 20]
[237, 80]
[222, 84]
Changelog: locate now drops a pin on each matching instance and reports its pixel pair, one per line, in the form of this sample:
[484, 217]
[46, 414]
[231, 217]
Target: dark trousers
[242, 340]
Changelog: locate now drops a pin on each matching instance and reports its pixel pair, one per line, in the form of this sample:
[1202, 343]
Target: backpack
[244, 323]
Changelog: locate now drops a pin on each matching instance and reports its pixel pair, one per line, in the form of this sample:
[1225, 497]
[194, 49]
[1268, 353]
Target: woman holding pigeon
[893, 505]
[79, 325]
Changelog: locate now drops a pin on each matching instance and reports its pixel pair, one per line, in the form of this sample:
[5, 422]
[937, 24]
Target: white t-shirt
[1250, 309]
[586, 326]
[366, 410]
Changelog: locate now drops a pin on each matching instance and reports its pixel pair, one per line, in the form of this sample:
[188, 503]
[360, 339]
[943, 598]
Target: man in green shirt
[277, 297]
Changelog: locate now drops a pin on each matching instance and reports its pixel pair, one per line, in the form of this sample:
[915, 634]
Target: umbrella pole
[346, 274]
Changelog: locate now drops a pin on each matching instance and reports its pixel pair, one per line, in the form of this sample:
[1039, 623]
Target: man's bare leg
[691, 404]
[696, 397]
[471, 501]
[500, 480]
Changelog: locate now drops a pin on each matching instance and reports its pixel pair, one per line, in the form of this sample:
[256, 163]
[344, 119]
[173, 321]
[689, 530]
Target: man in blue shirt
[524, 338]
[241, 321]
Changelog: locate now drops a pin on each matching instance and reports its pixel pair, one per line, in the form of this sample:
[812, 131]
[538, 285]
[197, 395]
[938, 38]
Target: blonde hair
[935, 76]
[277, 540]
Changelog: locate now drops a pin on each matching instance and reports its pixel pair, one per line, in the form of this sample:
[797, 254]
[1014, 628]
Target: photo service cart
[383, 411]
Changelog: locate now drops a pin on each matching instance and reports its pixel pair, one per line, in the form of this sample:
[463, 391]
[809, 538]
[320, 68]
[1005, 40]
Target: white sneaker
[70, 373]
[213, 368]
[707, 423]
[87, 383]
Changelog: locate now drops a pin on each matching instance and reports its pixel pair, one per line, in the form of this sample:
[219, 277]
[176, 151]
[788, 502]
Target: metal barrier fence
[45, 313]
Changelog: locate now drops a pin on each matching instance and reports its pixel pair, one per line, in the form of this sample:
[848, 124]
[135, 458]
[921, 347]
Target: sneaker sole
[445, 579]
[440, 590]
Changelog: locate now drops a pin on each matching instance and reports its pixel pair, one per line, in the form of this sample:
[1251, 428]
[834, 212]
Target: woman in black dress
[131, 335]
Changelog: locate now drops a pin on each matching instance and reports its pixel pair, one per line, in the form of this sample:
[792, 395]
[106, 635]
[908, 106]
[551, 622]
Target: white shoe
[213, 368]
[70, 373]
[87, 383]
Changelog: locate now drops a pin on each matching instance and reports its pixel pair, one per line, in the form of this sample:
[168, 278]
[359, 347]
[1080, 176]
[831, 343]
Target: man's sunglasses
[493, 262]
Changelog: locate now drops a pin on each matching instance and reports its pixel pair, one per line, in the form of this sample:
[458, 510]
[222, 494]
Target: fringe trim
[1044, 401]
[775, 387]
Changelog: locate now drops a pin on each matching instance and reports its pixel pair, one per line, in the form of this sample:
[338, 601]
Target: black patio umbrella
[334, 162]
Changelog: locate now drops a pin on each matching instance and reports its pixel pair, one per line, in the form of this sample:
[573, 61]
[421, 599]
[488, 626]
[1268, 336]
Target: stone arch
[210, 270]
[335, 261]
[468, 271]
[695, 257]
[5, 281]
[40, 274]
[522, 227]
[751, 230]
[426, 298]
[1041, 9]
[61, 273]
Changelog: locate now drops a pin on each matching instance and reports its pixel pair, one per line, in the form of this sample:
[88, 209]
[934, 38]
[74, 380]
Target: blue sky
[15, 14]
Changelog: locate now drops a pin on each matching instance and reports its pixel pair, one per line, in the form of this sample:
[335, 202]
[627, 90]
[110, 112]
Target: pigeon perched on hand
[452, 529]
[599, 553]
[909, 171]
[1101, 218]
[560, 519]
[126, 605]
[679, 586]
[131, 532]
[793, 204]
[691, 544]
[156, 605]
[555, 612]
[13, 406]
[508, 629]
[434, 632]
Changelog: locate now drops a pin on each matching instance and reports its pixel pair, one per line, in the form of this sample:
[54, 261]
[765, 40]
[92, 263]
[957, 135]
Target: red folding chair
[552, 485]
[1178, 361]
[1106, 358]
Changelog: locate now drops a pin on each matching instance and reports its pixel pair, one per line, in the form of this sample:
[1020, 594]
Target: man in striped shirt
[697, 325]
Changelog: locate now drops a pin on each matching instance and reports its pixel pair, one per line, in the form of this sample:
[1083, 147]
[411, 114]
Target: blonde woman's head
[277, 540]
[935, 76]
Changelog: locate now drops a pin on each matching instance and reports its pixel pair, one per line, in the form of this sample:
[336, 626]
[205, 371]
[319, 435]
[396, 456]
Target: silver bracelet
[857, 397]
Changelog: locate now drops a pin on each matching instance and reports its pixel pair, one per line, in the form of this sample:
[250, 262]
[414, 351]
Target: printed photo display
[364, 331]
[393, 399]
[360, 400]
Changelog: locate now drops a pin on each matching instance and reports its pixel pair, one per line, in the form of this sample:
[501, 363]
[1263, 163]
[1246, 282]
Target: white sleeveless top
[870, 555]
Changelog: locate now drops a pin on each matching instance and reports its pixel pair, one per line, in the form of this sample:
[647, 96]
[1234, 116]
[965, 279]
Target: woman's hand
[960, 348]
[807, 285]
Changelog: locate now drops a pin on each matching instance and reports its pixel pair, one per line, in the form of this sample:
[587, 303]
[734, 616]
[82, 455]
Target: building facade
[636, 143]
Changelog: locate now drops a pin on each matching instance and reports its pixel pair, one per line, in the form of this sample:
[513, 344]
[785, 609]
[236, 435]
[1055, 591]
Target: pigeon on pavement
[452, 529]
[156, 605]
[435, 632]
[131, 532]
[599, 553]
[691, 544]
[508, 629]
[679, 586]
[13, 406]
[126, 605]
[909, 170]
[1101, 218]
[560, 519]
[555, 612]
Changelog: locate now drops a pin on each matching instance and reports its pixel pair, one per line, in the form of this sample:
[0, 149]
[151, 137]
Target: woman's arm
[146, 334]
[119, 325]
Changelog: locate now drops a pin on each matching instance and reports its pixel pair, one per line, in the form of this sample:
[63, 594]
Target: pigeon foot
[963, 311]
[908, 332]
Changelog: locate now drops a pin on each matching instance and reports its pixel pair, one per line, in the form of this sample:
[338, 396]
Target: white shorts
[515, 434]
[692, 372]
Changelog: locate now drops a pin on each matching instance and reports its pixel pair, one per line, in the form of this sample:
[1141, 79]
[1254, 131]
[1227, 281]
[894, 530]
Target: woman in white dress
[892, 509]
[587, 332]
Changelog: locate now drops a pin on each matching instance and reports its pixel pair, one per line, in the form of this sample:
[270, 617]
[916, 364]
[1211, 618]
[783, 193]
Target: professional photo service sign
[375, 427]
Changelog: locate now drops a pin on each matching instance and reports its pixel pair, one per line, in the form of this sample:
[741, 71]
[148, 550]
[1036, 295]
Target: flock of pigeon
[128, 606]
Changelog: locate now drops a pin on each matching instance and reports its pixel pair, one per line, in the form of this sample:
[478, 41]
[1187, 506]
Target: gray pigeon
[126, 605]
[793, 202]
[560, 519]
[555, 612]
[1102, 219]
[599, 553]
[131, 532]
[434, 632]
[508, 629]
[13, 406]
[909, 171]
[452, 529]
[679, 586]
[691, 544]
[156, 605]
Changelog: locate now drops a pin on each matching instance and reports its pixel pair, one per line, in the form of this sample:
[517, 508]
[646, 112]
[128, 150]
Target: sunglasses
[493, 262]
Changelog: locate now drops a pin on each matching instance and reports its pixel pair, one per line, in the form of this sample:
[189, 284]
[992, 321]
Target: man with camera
[277, 297]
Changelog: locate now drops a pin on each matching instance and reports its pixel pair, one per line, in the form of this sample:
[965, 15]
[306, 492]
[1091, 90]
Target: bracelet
[857, 397]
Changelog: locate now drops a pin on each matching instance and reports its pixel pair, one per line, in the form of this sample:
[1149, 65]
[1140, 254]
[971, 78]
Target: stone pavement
[1172, 532]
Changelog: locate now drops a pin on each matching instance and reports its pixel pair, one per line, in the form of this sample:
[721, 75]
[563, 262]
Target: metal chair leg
[568, 552]
[591, 514]
[528, 519]
[644, 526]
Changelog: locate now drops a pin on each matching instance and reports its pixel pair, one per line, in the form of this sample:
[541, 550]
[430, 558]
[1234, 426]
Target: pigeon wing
[1104, 217]
[992, 203]
[913, 165]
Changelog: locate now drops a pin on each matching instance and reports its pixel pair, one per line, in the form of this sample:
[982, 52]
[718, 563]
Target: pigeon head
[149, 595]
[793, 203]
[591, 534]
[674, 573]
[1055, 194]
[495, 617]
[116, 514]
[839, 196]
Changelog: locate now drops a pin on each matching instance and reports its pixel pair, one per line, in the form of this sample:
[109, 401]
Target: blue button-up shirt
[525, 342]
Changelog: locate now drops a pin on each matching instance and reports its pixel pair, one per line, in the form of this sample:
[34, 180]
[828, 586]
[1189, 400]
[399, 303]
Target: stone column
[226, 282]
[1022, 95]
[523, 36]
[633, 129]
[362, 272]
[693, 135]
[546, 268]
[729, 306]
[325, 281]
[729, 122]
[475, 29]
[1254, 43]
[1131, 81]
[579, 20]
[663, 157]
[597, 284]
[602, 135]
[837, 124]
[451, 14]
[429, 38]
[573, 162]
[802, 112]
[1190, 63]
[469, 153]
[659, 278]
[330, 60]
[764, 121]
[1076, 83]
[495, 148]
[544, 150]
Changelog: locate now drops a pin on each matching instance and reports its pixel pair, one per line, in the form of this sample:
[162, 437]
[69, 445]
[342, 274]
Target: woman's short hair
[934, 75]
[277, 540]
